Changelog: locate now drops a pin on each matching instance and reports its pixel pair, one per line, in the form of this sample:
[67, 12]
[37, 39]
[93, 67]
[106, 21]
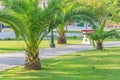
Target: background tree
[65, 7]
[103, 10]
[72, 11]
[115, 12]
[58, 18]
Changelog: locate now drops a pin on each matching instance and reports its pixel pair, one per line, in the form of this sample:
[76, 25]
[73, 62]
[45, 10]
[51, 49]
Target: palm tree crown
[31, 23]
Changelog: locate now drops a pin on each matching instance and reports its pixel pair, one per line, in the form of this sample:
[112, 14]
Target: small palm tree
[29, 22]
[100, 35]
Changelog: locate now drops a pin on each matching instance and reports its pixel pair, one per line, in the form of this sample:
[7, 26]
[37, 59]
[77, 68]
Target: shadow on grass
[88, 65]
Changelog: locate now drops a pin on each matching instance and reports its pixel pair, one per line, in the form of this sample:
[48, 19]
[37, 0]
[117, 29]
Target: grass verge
[87, 65]
[13, 45]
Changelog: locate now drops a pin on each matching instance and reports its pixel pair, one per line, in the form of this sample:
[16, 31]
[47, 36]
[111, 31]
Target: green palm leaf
[30, 22]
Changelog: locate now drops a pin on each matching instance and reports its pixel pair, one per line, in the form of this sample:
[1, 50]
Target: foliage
[102, 9]
[30, 19]
[115, 13]
[99, 9]
[30, 22]
[72, 11]
[100, 35]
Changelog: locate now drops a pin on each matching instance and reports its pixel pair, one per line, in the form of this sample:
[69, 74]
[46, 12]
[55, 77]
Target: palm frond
[19, 28]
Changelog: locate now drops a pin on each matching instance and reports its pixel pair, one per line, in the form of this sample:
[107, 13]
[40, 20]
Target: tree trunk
[32, 62]
[100, 46]
[62, 39]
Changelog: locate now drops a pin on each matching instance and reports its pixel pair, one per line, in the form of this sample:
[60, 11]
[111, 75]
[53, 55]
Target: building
[43, 3]
[1, 7]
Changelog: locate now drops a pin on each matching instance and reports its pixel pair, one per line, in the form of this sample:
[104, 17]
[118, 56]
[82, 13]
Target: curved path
[10, 60]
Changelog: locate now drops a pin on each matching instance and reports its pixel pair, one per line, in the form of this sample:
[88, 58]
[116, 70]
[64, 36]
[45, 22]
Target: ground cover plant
[87, 65]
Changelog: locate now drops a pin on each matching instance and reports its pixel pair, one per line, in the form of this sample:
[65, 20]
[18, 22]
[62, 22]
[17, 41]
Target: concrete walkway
[10, 60]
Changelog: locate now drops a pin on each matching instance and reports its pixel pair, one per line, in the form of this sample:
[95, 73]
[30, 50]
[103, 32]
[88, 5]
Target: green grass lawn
[13, 46]
[87, 65]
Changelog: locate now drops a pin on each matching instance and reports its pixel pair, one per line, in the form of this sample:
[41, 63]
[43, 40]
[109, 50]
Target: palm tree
[58, 18]
[102, 11]
[65, 6]
[72, 11]
[29, 22]
[100, 35]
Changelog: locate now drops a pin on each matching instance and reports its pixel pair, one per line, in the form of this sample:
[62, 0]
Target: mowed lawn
[87, 65]
[13, 46]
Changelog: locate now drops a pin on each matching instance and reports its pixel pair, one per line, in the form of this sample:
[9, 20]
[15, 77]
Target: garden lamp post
[52, 45]
[0, 23]
[0, 27]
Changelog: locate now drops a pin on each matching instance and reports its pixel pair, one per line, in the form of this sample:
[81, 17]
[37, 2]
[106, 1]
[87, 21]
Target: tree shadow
[78, 66]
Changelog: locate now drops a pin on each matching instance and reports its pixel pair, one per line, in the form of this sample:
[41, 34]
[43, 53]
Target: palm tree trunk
[62, 38]
[99, 45]
[32, 62]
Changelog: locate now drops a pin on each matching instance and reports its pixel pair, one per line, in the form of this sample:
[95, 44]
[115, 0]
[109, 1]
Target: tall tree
[29, 22]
